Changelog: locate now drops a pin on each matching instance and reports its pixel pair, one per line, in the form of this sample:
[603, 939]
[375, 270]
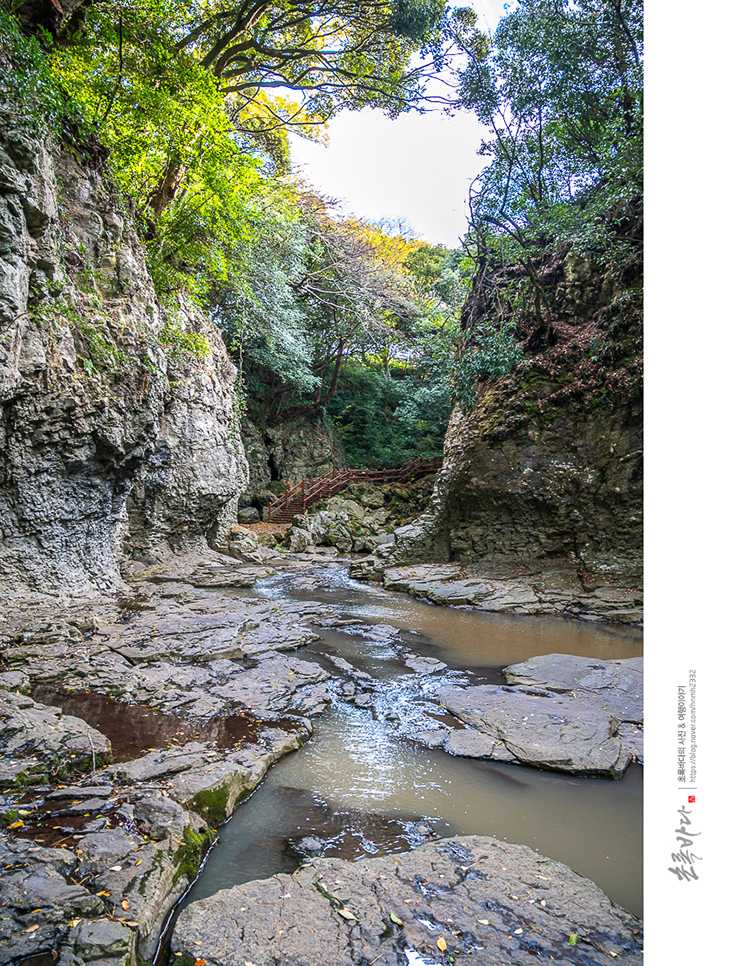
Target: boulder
[248, 514]
[242, 542]
[373, 499]
[299, 540]
[617, 685]
[350, 507]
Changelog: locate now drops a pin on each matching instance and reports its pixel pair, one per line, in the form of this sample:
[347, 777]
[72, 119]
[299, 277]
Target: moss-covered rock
[548, 462]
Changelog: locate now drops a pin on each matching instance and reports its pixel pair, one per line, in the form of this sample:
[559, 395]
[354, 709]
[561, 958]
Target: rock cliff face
[289, 451]
[116, 414]
[547, 464]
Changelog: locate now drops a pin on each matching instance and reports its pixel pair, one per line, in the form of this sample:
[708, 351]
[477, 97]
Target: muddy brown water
[364, 786]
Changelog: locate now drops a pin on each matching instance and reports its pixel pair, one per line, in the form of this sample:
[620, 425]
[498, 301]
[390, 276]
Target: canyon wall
[547, 464]
[118, 424]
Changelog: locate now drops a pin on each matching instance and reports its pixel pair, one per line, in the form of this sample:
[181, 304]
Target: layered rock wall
[292, 450]
[102, 390]
[547, 464]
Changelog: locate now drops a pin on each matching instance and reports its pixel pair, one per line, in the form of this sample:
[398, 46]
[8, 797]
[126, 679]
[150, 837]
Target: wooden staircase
[301, 495]
[287, 513]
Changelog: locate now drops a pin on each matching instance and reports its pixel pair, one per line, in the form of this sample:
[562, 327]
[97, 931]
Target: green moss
[25, 779]
[212, 804]
[335, 903]
[182, 344]
[156, 864]
[190, 854]
[8, 818]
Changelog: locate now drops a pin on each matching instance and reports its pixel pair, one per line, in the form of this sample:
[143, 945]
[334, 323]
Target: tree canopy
[560, 92]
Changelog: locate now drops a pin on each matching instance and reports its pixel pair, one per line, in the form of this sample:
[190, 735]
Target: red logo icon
[690, 798]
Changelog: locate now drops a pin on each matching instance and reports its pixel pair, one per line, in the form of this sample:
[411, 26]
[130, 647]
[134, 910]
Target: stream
[364, 785]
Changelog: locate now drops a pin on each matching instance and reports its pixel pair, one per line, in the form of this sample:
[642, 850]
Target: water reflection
[353, 768]
[461, 638]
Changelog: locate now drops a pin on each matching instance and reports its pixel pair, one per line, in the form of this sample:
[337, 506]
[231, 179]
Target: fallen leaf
[346, 914]
[573, 939]
[200, 962]
[138, 862]
[125, 904]
[32, 928]
[17, 824]
[115, 868]
[484, 922]
[395, 919]
[517, 932]
[442, 944]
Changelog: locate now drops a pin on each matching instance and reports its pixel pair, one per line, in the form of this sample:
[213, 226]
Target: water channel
[364, 785]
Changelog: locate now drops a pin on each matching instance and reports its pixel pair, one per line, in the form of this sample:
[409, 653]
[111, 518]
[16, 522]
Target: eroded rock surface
[551, 589]
[32, 735]
[225, 699]
[558, 733]
[469, 896]
[117, 418]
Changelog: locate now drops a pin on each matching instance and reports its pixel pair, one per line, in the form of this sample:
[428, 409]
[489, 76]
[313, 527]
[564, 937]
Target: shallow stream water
[363, 785]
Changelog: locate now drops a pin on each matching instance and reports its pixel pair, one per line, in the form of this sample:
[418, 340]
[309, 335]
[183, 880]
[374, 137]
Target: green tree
[337, 53]
[560, 90]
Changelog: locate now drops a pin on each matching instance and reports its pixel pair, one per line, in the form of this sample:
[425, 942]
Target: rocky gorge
[146, 691]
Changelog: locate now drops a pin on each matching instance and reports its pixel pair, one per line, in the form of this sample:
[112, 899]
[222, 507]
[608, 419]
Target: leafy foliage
[494, 352]
[317, 291]
[560, 90]
[337, 53]
[320, 312]
[25, 78]
[367, 413]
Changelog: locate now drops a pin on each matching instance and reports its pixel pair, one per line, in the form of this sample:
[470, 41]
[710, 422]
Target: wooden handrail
[336, 480]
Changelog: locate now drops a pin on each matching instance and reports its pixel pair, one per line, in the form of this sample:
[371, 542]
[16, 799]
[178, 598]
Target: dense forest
[187, 107]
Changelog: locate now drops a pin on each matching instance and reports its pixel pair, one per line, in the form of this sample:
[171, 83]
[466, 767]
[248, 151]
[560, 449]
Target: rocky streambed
[132, 728]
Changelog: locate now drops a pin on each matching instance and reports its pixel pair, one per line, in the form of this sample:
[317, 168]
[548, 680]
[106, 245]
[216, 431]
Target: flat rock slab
[446, 584]
[423, 665]
[560, 733]
[468, 896]
[271, 685]
[37, 899]
[535, 592]
[619, 684]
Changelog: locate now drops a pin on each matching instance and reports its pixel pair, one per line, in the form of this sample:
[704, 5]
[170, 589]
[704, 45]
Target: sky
[417, 166]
